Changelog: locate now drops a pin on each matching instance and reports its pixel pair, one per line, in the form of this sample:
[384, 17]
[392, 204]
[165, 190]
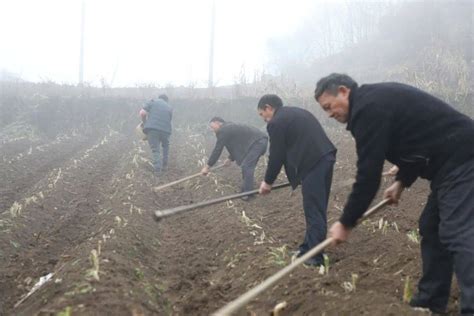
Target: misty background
[134, 50]
[71, 164]
[129, 43]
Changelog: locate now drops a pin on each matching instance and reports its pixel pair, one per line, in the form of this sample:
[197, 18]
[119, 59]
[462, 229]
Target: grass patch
[414, 236]
[81, 288]
[65, 312]
[407, 291]
[93, 273]
[139, 274]
[279, 255]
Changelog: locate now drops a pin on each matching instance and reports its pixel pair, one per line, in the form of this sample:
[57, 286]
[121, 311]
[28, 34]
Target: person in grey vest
[245, 144]
[424, 137]
[299, 143]
[156, 116]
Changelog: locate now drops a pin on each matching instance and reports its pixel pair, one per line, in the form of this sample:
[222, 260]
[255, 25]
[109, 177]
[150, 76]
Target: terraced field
[78, 208]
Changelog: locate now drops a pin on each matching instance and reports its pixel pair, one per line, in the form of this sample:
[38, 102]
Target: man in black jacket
[245, 144]
[298, 142]
[426, 138]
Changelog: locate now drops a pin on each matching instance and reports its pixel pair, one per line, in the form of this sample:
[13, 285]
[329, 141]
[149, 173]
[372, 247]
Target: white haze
[129, 43]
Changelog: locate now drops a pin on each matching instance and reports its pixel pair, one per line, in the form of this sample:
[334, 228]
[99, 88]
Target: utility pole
[211, 50]
[115, 73]
[81, 54]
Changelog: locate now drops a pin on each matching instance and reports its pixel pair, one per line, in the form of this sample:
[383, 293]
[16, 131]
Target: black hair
[270, 99]
[163, 97]
[217, 119]
[331, 83]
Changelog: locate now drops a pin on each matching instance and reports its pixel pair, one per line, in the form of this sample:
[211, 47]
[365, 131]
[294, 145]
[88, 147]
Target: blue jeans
[157, 139]
[316, 187]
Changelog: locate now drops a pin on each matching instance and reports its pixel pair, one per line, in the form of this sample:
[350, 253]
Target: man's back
[298, 140]
[419, 127]
[159, 116]
[237, 138]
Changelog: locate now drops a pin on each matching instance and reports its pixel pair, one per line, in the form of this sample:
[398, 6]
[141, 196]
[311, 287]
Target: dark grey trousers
[447, 244]
[157, 139]
[316, 187]
[249, 163]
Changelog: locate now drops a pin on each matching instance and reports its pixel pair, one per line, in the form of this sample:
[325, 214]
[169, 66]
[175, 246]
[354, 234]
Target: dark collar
[352, 95]
[276, 110]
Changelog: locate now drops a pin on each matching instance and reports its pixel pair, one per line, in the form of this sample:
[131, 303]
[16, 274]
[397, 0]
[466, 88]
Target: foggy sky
[161, 42]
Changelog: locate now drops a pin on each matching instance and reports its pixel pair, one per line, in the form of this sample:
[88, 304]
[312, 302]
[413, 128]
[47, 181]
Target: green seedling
[15, 209]
[75, 262]
[118, 221]
[354, 278]
[326, 264]
[385, 228]
[4, 223]
[32, 199]
[260, 240]
[279, 255]
[82, 288]
[381, 221]
[65, 312]
[414, 236]
[139, 274]
[246, 219]
[396, 227]
[407, 291]
[135, 160]
[383, 225]
[94, 271]
[351, 286]
[347, 286]
[234, 260]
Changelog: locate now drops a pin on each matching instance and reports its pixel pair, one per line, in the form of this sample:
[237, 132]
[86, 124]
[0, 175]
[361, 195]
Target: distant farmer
[426, 138]
[245, 144]
[156, 116]
[298, 142]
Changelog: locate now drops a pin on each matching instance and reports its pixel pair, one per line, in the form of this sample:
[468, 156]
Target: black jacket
[297, 141]
[237, 138]
[412, 129]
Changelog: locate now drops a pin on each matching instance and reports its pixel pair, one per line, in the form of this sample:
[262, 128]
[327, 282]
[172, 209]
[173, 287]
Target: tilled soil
[81, 207]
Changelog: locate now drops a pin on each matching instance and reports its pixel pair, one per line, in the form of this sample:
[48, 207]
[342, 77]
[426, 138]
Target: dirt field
[80, 205]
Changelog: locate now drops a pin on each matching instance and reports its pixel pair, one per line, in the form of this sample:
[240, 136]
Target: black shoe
[313, 262]
[247, 198]
[421, 303]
